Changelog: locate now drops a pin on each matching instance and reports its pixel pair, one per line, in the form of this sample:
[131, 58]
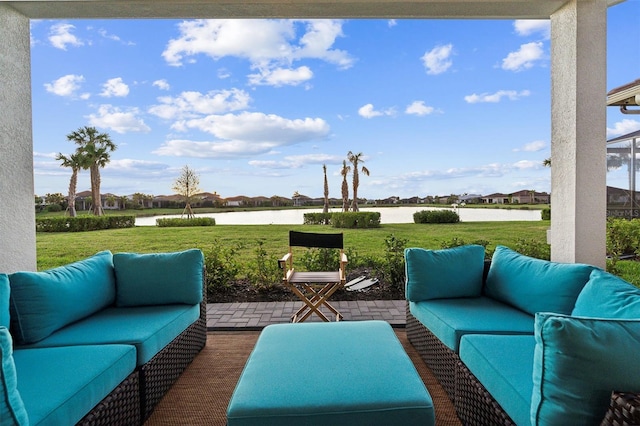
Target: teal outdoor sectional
[519, 340]
[98, 341]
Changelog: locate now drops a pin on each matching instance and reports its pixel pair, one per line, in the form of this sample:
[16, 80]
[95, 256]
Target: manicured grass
[56, 249]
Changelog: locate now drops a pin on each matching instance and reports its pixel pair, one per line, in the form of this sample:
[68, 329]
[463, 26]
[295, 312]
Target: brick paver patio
[257, 315]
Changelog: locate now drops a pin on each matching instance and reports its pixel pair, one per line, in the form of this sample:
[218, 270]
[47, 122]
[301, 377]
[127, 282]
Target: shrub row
[317, 218]
[355, 220]
[436, 216]
[84, 223]
[182, 222]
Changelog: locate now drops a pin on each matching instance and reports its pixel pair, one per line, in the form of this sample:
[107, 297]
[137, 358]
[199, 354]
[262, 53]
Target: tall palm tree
[325, 209]
[76, 162]
[355, 159]
[345, 186]
[97, 148]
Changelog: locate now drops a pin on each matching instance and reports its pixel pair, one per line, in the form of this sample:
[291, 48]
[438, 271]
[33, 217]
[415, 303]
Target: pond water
[387, 215]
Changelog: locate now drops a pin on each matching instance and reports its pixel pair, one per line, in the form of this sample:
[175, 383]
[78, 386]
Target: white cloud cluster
[60, 36]
[115, 87]
[67, 85]
[297, 161]
[271, 54]
[512, 95]
[623, 127]
[368, 111]
[524, 58]
[534, 146]
[438, 59]
[527, 27]
[118, 120]
[162, 84]
[419, 108]
[193, 104]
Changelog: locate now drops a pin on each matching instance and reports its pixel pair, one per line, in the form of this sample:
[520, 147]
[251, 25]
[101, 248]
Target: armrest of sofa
[624, 409]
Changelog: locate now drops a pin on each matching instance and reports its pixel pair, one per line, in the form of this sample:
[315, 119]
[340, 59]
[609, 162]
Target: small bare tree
[325, 209]
[187, 185]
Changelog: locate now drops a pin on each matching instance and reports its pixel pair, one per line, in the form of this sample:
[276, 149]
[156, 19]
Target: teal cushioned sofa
[101, 340]
[507, 338]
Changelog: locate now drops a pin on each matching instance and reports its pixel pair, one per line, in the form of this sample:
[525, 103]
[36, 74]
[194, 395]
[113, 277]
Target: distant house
[520, 197]
[495, 198]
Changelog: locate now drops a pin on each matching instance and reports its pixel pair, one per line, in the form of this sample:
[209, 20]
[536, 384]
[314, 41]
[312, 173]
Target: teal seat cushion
[578, 362]
[4, 300]
[59, 386]
[450, 319]
[607, 296]
[159, 278]
[43, 302]
[535, 285]
[504, 365]
[148, 328]
[438, 274]
[12, 411]
[345, 373]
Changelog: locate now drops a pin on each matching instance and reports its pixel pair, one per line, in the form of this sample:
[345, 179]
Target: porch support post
[17, 211]
[578, 135]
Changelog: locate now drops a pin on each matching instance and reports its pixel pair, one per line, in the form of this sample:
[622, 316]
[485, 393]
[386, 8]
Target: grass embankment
[56, 249]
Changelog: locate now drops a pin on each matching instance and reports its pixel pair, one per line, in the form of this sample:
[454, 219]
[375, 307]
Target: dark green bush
[457, 242]
[317, 218]
[623, 237]
[320, 259]
[182, 222]
[54, 208]
[356, 220]
[83, 223]
[546, 214]
[393, 264]
[264, 272]
[221, 266]
[533, 248]
[436, 216]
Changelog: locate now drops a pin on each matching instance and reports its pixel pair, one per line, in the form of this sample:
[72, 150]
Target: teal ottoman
[344, 373]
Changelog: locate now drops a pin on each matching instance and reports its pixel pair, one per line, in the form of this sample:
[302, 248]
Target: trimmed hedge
[84, 223]
[181, 222]
[317, 218]
[436, 216]
[546, 214]
[355, 220]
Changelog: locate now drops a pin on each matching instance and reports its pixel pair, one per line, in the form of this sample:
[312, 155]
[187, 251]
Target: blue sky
[257, 107]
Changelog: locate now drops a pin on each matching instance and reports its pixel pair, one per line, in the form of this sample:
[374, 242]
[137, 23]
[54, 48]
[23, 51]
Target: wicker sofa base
[161, 371]
[437, 356]
[120, 407]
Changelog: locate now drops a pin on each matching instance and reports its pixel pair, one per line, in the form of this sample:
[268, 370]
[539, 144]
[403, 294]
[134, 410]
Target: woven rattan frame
[624, 410]
[120, 407]
[438, 357]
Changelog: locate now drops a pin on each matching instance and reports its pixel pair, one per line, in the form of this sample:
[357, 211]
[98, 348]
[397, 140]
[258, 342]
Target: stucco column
[17, 214]
[578, 135]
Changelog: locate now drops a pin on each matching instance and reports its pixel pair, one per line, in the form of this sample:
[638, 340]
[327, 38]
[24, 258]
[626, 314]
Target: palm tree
[345, 186]
[325, 209]
[355, 159]
[96, 147]
[76, 162]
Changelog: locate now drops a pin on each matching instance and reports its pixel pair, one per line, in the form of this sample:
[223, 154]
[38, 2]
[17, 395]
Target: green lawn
[55, 249]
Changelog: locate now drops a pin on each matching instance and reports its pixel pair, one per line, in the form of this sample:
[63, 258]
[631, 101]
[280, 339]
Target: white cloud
[623, 127]
[119, 121]
[437, 60]
[392, 23]
[115, 87]
[524, 58]
[281, 76]
[368, 111]
[60, 36]
[162, 84]
[526, 165]
[297, 161]
[132, 167]
[419, 108]
[192, 104]
[527, 27]
[534, 146]
[244, 134]
[497, 96]
[67, 85]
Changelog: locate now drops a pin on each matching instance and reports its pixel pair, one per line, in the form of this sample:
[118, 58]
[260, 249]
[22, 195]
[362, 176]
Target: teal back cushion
[43, 302]
[4, 300]
[535, 285]
[159, 278]
[578, 362]
[12, 411]
[607, 296]
[447, 273]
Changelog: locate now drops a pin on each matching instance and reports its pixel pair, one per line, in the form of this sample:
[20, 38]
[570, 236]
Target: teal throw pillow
[43, 302]
[446, 273]
[159, 278]
[607, 296]
[535, 285]
[4, 300]
[12, 411]
[577, 363]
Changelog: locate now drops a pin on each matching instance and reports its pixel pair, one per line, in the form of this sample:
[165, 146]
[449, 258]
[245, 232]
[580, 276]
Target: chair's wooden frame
[314, 288]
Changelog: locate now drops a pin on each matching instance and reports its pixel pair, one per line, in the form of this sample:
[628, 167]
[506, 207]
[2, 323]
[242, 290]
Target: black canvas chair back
[311, 239]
